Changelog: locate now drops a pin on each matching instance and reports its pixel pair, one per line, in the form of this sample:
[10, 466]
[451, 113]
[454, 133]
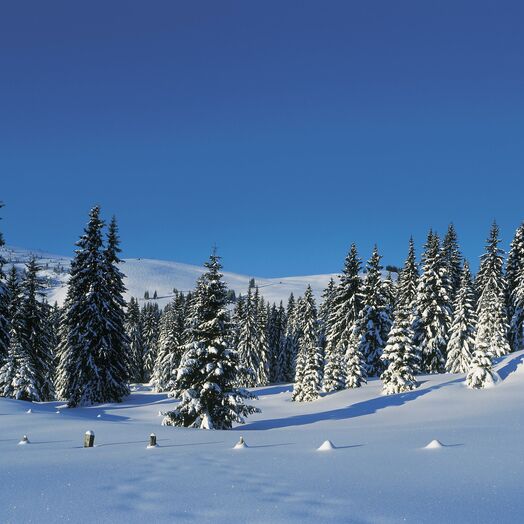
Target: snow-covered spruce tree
[170, 349]
[277, 327]
[492, 324]
[93, 348]
[263, 371]
[236, 320]
[401, 358]
[463, 328]
[281, 360]
[389, 290]
[286, 359]
[480, 370]
[452, 261]
[4, 300]
[208, 371]
[307, 386]
[324, 311]
[408, 280]
[346, 306]
[117, 372]
[17, 376]
[36, 339]
[137, 370]
[252, 343]
[432, 318]
[375, 319]
[150, 316]
[514, 281]
[517, 321]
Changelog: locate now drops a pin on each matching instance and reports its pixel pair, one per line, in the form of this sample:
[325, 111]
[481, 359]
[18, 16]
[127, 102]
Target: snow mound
[29, 411]
[434, 444]
[24, 441]
[240, 444]
[327, 445]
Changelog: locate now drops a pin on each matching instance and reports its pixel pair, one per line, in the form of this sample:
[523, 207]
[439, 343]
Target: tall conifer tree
[208, 371]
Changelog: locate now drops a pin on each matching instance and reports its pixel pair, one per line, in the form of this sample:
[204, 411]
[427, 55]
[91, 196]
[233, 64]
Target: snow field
[379, 471]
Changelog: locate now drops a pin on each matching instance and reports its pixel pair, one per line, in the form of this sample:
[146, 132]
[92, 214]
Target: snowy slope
[146, 274]
[378, 473]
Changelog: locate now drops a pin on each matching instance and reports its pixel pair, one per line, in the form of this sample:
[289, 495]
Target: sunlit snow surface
[162, 276]
[378, 472]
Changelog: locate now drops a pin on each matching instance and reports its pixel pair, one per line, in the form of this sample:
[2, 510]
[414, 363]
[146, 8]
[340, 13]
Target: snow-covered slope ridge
[162, 276]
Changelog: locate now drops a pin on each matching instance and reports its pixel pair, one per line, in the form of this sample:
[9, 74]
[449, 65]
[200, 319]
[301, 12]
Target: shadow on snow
[360, 409]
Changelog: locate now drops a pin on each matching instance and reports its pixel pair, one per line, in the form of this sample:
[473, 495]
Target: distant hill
[162, 276]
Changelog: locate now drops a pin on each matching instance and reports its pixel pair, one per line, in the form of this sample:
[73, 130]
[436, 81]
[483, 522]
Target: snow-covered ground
[379, 471]
[144, 274]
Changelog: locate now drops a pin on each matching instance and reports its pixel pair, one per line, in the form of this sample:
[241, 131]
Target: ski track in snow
[379, 471]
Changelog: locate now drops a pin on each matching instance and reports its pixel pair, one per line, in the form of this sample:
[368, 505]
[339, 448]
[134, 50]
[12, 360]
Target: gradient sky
[280, 130]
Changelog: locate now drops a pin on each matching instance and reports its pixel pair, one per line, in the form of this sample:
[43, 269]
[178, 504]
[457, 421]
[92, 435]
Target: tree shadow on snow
[274, 390]
[360, 409]
[510, 366]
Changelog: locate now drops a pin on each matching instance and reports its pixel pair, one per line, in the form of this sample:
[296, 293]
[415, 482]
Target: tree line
[207, 346]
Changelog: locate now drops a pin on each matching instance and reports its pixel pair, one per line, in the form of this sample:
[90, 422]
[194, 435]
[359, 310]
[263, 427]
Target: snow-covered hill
[162, 276]
[378, 473]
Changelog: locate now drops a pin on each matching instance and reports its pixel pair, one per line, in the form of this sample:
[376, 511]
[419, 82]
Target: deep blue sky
[282, 131]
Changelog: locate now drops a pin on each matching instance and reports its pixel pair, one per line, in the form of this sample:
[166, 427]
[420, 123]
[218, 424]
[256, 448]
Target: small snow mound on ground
[57, 412]
[99, 416]
[240, 444]
[327, 445]
[29, 411]
[434, 444]
[24, 441]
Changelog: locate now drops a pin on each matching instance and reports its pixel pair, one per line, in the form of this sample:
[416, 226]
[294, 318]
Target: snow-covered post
[89, 439]
[152, 441]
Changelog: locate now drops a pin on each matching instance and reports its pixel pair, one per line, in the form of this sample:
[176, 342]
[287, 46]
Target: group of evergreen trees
[205, 347]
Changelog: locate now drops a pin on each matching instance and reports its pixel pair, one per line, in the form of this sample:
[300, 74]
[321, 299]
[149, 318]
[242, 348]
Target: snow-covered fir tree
[375, 318]
[433, 310]
[150, 315]
[208, 371]
[401, 358]
[463, 328]
[4, 300]
[355, 363]
[408, 280]
[117, 372]
[514, 281]
[134, 330]
[492, 323]
[263, 371]
[236, 318]
[346, 306]
[36, 337]
[287, 356]
[17, 376]
[308, 381]
[324, 311]
[252, 345]
[276, 340]
[452, 261]
[93, 348]
[170, 349]
[480, 371]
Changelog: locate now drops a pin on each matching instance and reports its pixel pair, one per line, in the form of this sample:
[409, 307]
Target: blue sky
[281, 131]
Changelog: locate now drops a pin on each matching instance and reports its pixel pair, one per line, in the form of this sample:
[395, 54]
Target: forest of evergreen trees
[206, 346]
